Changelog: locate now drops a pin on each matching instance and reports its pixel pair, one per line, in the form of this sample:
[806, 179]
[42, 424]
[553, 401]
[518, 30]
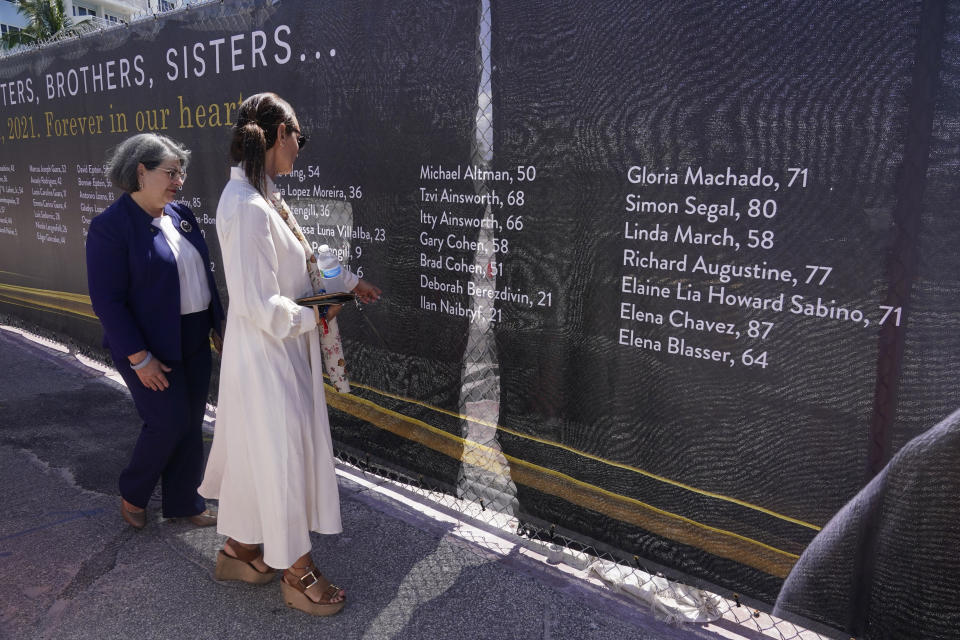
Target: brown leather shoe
[241, 566]
[293, 589]
[136, 519]
[205, 519]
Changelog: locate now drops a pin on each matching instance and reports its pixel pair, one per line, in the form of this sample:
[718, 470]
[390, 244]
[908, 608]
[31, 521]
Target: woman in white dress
[271, 464]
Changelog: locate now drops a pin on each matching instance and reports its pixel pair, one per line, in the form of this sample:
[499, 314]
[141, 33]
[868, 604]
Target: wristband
[142, 363]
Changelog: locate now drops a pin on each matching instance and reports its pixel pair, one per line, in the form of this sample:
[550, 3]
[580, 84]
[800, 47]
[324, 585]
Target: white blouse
[194, 289]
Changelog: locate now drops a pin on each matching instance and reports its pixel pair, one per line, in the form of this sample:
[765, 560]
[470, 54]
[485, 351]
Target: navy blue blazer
[133, 279]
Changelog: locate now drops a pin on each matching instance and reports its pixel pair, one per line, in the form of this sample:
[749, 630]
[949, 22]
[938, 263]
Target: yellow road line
[529, 474]
[64, 301]
[720, 542]
[596, 458]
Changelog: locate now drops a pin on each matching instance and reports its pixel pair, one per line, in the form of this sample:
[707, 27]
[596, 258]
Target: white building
[107, 11]
[10, 20]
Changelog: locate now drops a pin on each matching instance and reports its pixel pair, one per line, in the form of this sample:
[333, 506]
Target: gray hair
[150, 149]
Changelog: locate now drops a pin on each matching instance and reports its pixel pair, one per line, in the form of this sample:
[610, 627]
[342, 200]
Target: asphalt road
[70, 567]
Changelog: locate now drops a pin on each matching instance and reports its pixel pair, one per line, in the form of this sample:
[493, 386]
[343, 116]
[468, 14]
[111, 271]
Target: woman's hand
[333, 311]
[217, 341]
[151, 375]
[367, 292]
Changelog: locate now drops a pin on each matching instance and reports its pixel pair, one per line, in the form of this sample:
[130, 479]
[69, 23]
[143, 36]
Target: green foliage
[47, 19]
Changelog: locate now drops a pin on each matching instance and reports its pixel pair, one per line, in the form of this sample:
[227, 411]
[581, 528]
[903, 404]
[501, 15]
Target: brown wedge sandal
[295, 594]
[242, 567]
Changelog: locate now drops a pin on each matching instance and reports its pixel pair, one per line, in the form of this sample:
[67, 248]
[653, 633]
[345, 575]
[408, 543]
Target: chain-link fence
[540, 425]
[666, 596]
[484, 490]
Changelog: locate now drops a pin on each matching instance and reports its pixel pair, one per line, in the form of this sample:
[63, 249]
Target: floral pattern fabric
[334, 362]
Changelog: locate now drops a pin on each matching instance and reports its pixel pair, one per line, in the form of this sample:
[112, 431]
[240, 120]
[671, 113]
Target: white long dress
[271, 464]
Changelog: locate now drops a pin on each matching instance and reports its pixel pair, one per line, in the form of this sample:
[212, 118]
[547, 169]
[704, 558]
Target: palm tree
[47, 19]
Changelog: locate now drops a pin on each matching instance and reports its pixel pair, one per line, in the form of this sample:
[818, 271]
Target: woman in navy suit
[151, 286]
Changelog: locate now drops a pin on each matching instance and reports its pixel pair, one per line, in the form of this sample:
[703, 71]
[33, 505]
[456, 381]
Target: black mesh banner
[710, 220]
[674, 279]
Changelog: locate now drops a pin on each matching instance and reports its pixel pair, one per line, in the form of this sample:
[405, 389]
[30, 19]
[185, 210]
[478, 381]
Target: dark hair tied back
[255, 132]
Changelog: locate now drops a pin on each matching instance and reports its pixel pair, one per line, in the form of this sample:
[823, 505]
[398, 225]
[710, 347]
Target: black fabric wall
[695, 261]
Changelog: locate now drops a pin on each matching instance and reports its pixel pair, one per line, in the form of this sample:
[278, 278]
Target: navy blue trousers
[170, 446]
